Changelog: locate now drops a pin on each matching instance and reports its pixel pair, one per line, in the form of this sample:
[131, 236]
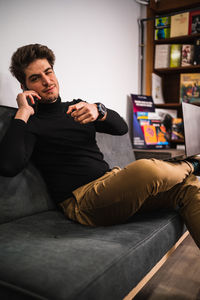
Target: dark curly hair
[26, 55]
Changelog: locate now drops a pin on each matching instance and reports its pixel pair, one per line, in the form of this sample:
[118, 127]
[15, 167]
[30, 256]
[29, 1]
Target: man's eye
[48, 72]
[33, 79]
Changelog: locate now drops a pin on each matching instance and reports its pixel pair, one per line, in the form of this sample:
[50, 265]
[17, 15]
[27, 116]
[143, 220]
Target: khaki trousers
[146, 184]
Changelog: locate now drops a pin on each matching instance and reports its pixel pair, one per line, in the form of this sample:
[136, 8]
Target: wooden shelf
[179, 39]
[178, 141]
[173, 105]
[185, 69]
[168, 105]
[163, 6]
[170, 76]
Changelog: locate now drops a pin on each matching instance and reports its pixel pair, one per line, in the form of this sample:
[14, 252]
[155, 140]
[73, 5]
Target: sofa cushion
[45, 256]
[24, 194]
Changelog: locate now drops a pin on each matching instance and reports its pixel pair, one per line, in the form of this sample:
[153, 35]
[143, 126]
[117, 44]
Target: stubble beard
[48, 100]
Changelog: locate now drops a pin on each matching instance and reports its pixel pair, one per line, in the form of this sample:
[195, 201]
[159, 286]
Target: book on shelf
[162, 56]
[196, 59]
[177, 129]
[150, 136]
[194, 22]
[179, 24]
[162, 28]
[148, 130]
[187, 55]
[175, 55]
[157, 92]
[190, 87]
[166, 116]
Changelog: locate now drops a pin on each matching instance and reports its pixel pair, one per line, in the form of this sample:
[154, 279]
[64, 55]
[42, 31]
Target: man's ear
[23, 87]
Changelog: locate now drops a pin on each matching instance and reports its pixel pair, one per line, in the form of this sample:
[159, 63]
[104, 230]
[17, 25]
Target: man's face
[41, 78]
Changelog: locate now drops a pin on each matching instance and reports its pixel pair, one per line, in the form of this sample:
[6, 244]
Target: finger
[87, 120]
[76, 107]
[71, 108]
[32, 92]
[30, 99]
[37, 96]
[78, 112]
[81, 114]
[82, 117]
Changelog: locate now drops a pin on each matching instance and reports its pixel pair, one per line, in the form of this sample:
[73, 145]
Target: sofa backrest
[117, 150]
[26, 193]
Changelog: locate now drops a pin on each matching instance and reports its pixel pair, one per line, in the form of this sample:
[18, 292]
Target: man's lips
[50, 89]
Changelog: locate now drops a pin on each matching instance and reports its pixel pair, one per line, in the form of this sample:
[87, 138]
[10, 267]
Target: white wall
[95, 42]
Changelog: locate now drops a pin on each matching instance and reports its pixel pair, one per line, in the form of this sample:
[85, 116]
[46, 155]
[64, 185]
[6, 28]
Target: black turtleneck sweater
[64, 151]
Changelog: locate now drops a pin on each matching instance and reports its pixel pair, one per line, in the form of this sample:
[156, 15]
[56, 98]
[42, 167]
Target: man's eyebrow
[49, 68]
[36, 75]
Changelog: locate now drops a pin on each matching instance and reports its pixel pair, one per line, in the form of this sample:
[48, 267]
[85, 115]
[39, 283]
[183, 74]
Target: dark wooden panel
[171, 87]
[149, 52]
[169, 5]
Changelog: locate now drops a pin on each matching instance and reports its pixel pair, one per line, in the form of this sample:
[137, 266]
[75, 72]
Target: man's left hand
[83, 112]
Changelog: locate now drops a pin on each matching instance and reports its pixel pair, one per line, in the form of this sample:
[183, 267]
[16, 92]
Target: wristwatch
[101, 110]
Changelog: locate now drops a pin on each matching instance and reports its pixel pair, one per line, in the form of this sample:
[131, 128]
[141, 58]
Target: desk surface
[158, 153]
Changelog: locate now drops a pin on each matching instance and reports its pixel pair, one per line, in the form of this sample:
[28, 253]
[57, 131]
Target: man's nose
[45, 80]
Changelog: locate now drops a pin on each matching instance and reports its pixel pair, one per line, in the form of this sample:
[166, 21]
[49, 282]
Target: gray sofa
[45, 256]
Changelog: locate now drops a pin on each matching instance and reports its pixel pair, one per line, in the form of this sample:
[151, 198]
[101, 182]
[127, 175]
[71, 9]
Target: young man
[60, 139]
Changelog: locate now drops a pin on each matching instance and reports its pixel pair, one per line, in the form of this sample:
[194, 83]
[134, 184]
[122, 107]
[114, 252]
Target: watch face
[102, 110]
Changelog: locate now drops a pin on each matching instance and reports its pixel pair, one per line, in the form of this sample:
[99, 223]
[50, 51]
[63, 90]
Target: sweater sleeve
[16, 148]
[113, 124]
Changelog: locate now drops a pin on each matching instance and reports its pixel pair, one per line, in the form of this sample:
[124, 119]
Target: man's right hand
[24, 109]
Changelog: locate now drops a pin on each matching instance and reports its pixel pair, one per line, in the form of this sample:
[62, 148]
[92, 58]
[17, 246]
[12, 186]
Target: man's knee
[150, 168]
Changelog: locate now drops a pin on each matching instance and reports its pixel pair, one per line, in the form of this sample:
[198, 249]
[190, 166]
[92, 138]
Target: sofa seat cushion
[46, 256]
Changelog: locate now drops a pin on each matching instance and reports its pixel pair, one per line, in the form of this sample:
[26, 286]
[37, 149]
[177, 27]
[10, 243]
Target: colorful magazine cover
[187, 56]
[148, 130]
[162, 28]
[150, 136]
[190, 87]
[194, 22]
[175, 56]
